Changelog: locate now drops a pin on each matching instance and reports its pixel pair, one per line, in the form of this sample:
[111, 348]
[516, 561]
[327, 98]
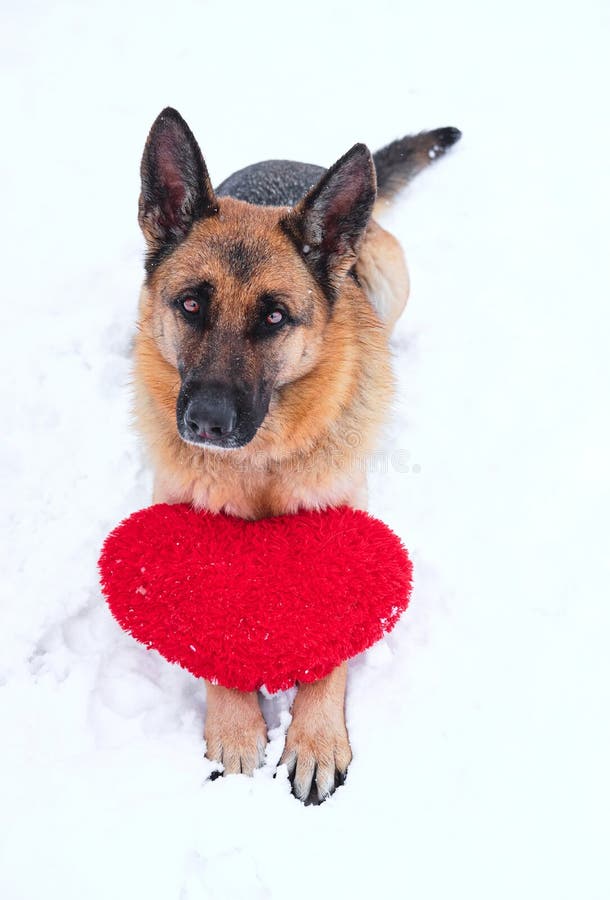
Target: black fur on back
[280, 182]
[276, 182]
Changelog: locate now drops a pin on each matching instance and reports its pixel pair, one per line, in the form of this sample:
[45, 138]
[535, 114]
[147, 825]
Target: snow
[480, 726]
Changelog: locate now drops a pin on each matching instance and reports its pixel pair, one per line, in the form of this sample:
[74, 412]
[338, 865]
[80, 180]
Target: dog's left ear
[176, 187]
[328, 224]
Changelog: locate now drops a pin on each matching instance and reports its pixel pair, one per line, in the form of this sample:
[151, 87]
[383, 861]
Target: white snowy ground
[480, 727]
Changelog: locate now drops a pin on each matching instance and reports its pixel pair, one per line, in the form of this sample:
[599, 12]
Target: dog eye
[275, 317]
[191, 306]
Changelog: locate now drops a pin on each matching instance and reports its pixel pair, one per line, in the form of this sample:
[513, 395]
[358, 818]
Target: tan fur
[235, 731]
[333, 390]
[383, 273]
[317, 746]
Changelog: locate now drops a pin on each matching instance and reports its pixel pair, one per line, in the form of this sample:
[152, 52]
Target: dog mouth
[212, 441]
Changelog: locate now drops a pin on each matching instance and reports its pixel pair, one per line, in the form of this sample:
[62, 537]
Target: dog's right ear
[176, 187]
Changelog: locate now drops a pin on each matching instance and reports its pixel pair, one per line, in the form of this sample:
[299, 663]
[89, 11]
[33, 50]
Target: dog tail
[401, 160]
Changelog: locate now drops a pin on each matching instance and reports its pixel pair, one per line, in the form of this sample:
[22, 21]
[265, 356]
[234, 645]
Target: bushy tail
[401, 160]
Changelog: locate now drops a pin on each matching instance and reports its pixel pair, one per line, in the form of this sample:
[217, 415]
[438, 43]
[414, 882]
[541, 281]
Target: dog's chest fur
[262, 491]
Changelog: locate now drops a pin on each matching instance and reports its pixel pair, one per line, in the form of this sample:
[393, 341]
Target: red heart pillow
[247, 604]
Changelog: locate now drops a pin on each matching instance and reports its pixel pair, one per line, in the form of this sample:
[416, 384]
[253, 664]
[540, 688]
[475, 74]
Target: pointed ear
[176, 188]
[328, 224]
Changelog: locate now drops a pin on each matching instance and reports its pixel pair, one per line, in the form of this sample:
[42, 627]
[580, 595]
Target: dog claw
[318, 791]
[236, 763]
[312, 781]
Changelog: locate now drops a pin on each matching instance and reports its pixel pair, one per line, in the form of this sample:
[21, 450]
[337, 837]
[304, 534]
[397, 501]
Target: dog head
[239, 296]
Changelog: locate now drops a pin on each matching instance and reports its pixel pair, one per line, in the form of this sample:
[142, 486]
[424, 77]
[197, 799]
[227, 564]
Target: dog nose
[211, 417]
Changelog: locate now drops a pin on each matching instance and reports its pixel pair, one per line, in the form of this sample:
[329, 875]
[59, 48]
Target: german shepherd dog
[262, 364]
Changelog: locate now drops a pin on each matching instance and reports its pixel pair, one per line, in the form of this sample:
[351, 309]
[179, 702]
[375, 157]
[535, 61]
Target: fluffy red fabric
[247, 604]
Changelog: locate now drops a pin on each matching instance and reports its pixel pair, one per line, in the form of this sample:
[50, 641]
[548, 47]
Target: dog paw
[316, 755]
[235, 734]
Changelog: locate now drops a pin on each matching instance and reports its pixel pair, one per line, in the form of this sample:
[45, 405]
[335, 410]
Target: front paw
[235, 732]
[317, 754]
